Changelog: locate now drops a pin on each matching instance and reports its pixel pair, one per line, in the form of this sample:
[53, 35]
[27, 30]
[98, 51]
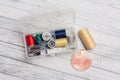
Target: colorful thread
[38, 39]
[62, 42]
[60, 33]
[30, 40]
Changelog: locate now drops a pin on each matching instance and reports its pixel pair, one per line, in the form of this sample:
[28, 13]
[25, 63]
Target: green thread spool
[39, 39]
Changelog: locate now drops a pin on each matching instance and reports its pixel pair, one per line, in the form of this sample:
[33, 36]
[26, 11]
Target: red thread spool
[30, 40]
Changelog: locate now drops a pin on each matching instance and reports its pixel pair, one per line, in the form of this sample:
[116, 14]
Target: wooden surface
[102, 17]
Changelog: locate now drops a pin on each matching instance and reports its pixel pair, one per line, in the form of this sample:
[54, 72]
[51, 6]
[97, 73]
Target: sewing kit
[49, 42]
[51, 33]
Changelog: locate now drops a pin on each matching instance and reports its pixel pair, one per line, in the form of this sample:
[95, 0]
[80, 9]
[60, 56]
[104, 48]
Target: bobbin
[51, 43]
[46, 36]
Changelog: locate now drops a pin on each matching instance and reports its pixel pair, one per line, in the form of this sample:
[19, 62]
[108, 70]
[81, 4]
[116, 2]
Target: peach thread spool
[87, 39]
[81, 60]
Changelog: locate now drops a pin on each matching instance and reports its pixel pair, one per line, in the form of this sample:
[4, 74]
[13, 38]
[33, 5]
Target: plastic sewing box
[49, 32]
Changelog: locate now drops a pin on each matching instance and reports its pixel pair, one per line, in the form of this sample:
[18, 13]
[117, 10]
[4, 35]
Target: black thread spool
[60, 33]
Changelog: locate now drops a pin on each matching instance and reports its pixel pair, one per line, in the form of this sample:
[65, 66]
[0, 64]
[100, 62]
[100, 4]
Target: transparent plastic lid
[47, 19]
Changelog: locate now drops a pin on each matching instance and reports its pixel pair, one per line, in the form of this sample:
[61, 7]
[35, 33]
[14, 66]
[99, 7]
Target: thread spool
[46, 36]
[62, 42]
[55, 51]
[51, 44]
[38, 39]
[52, 52]
[60, 33]
[30, 40]
[70, 36]
[87, 39]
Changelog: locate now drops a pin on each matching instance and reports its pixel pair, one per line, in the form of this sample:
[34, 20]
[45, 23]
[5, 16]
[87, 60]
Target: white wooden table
[102, 17]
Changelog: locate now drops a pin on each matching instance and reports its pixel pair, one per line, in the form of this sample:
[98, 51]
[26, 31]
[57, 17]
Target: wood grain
[3, 76]
[53, 64]
[102, 18]
[32, 72]
[20, 43]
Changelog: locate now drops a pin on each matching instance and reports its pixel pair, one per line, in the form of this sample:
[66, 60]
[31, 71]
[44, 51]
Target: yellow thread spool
[87, 38]
[62, 42]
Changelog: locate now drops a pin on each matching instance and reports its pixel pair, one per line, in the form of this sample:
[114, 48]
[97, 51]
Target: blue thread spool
[60, 33]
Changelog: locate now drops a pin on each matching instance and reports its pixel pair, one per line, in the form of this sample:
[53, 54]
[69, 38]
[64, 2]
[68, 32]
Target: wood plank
[22, 5]
[105, 62]
[32, 72]
[78, 21]
[36, 3]
[99, 62]
[108, 30]
[6, 77]
[97, 13]
[101, 14]
[11, 12]
[111, 3]
[88, 22]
